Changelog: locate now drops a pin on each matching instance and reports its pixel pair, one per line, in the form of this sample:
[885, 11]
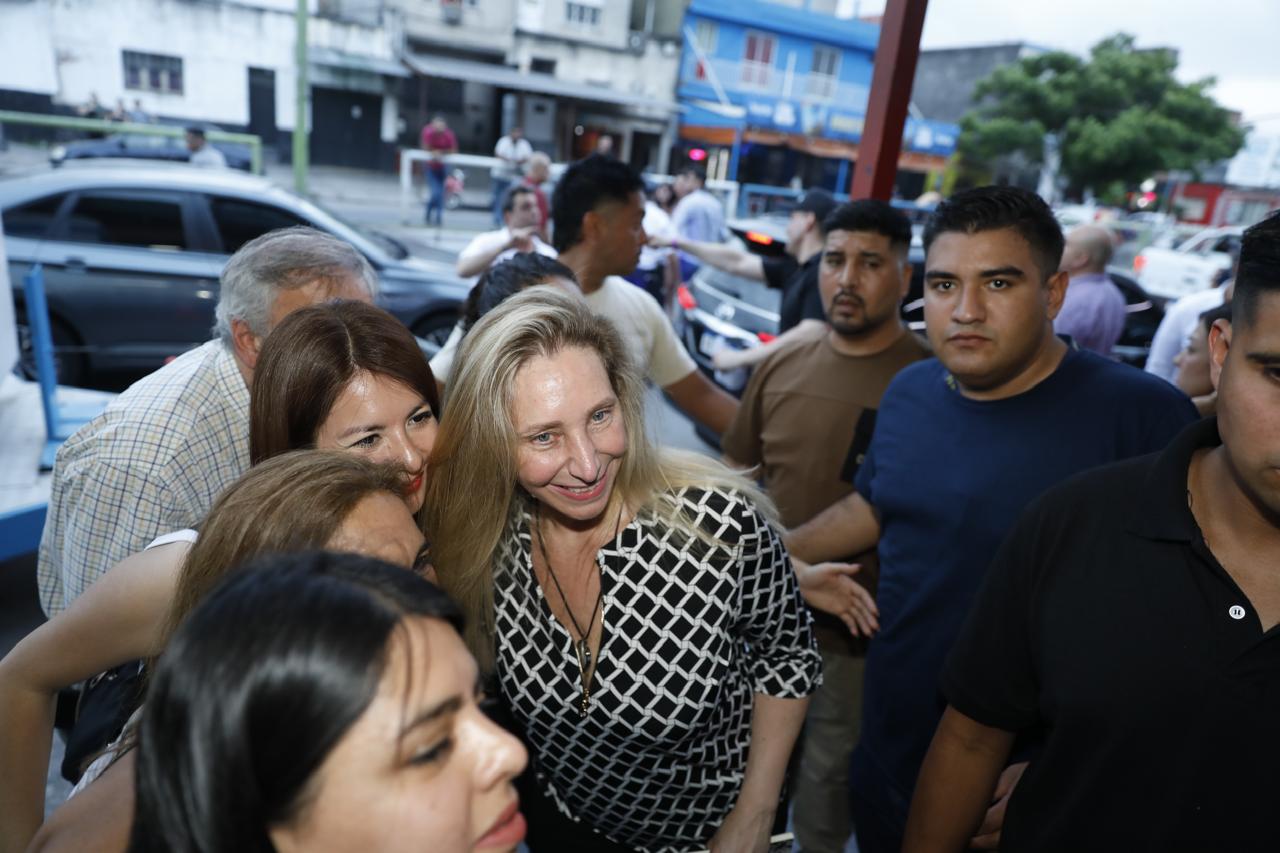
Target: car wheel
[69, 362]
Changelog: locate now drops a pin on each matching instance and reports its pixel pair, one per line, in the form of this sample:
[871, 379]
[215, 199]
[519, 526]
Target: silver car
[132, 255]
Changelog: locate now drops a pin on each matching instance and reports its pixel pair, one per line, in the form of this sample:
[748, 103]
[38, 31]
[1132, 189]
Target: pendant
[584, 657]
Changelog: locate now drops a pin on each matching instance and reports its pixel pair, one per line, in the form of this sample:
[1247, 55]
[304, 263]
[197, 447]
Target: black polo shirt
[801, 299]
[1107, 626]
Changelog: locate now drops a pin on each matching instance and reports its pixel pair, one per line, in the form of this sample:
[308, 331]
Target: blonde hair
[472, 497]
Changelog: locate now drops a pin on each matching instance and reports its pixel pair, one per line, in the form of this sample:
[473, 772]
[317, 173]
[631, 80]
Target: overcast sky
[1237, 41]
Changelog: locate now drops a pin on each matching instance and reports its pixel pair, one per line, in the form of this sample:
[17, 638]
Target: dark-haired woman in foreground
[267, 729]
[342, 376]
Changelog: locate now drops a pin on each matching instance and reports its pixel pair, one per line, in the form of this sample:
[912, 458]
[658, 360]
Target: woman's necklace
[582, 647]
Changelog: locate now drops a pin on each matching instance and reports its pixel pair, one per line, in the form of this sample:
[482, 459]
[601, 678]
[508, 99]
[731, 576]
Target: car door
[119, 267]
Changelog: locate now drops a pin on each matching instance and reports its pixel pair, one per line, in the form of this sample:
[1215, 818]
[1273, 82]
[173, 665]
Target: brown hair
[310, 357]
[293, 502]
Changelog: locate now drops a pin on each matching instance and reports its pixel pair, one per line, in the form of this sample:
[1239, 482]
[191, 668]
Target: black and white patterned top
[691, 633]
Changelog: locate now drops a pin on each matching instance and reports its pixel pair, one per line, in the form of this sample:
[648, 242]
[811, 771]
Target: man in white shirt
[164, 450]
[1175, 328]
[698, 216]
[202, 153]
[598, 209]
[512, 151]
[519, 233]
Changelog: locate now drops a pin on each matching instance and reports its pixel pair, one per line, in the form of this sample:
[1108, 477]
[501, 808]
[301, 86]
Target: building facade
[775, 92]
[229, 64]
[569, 72]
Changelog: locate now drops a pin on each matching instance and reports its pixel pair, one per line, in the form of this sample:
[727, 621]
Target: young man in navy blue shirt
[963, 443]
[1133, 617]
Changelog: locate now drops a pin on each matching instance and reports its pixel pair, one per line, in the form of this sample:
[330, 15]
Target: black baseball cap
[819, 202]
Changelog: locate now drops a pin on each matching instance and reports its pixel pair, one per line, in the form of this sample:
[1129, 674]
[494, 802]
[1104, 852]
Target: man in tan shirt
[805, 419]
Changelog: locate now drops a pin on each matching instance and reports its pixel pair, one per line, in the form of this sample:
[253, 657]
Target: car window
[240, 221]
[1226, 243]
[120, 221]
[33, 218]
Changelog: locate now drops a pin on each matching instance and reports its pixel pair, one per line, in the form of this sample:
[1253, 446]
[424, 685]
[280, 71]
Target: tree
[1119, 116]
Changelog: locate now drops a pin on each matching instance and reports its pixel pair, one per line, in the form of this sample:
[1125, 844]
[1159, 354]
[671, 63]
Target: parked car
[132, 256]
[142, 146]
[1196, 263]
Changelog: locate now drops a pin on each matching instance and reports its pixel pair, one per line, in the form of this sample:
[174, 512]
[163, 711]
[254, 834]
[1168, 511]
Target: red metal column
[895, 71]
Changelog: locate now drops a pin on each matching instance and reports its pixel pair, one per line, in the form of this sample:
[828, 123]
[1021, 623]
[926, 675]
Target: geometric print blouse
[691, 634]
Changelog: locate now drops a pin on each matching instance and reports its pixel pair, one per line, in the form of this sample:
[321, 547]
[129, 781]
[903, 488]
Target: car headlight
[57, 153]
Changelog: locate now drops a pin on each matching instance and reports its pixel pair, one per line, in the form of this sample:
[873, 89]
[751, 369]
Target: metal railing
[726, 191]
[253, 141]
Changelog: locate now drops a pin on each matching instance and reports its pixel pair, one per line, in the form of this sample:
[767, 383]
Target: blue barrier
[60, 420]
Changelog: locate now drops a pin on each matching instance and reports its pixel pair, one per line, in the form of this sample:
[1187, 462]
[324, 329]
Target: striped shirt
[153, 462]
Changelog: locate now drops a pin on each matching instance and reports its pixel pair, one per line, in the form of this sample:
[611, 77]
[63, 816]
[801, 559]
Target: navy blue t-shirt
[949, 476]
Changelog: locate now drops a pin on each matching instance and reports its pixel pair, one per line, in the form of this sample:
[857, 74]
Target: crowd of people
[982, 587]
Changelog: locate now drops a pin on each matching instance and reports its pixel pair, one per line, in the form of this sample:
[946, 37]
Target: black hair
[695, 171]
[993, 208]
[257, 687]
[509, 201]
[878, 217]
[584, 186]
[1259, 268]
[1213, 315]
[508, 278]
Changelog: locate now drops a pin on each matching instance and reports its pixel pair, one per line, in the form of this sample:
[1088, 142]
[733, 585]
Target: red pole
[891, 81]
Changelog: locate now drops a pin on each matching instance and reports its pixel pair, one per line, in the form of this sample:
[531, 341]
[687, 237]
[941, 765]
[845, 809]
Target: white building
[567, 71]
[228, 63]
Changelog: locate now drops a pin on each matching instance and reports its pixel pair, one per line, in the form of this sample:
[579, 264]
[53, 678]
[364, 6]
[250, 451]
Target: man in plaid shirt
[161, 453]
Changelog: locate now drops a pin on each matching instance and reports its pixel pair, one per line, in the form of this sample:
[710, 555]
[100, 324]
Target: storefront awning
[543, 84]
[356, 62]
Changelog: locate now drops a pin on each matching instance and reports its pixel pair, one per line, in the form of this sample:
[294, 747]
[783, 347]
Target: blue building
[777, 91]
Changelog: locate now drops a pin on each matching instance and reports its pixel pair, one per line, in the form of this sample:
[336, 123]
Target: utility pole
[891, 83]
[300, 135]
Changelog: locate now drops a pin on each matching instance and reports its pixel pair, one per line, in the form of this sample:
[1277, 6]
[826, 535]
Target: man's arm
[723, 256]
[956, 783]
[848, 526]
[480, 253]
[732, 359]
[701, 399]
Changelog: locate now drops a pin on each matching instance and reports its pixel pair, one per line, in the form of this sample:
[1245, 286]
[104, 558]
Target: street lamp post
[300, 136]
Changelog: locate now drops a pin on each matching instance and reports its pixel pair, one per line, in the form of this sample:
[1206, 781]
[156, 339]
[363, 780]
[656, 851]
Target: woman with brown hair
[636, 606]
[299, 501]
[341, 376]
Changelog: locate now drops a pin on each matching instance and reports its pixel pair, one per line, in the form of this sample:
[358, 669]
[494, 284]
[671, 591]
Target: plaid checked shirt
[153, 462]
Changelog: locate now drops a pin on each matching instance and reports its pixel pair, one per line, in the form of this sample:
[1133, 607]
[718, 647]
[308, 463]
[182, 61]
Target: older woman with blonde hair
[636, 606]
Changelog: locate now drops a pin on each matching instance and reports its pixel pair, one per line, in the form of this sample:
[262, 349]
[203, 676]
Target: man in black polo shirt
[1130, 618]
[795, 274]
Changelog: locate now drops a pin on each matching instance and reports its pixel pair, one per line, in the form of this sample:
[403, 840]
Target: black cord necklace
[582, 647]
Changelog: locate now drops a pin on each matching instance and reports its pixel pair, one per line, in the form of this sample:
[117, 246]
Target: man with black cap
[795, 274]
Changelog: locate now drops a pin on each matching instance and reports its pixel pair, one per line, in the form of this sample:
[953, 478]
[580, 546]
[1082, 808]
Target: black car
[131, 259]
[141, 146]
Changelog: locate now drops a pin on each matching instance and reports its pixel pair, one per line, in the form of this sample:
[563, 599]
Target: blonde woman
[636, 606]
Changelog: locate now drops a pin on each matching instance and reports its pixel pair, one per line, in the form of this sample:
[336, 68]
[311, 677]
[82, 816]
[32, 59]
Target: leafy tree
[1119, 116]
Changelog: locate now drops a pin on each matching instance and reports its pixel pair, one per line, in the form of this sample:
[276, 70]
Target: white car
[1197, 263]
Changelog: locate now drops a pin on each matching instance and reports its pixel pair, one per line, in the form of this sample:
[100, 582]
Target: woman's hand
[830, 587]
[745, 830]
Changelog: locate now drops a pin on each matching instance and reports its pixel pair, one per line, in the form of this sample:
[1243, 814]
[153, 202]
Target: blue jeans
[500, 188]
[435, 195]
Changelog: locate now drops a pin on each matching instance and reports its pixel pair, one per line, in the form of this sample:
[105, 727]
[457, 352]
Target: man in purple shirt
[1093, 311]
